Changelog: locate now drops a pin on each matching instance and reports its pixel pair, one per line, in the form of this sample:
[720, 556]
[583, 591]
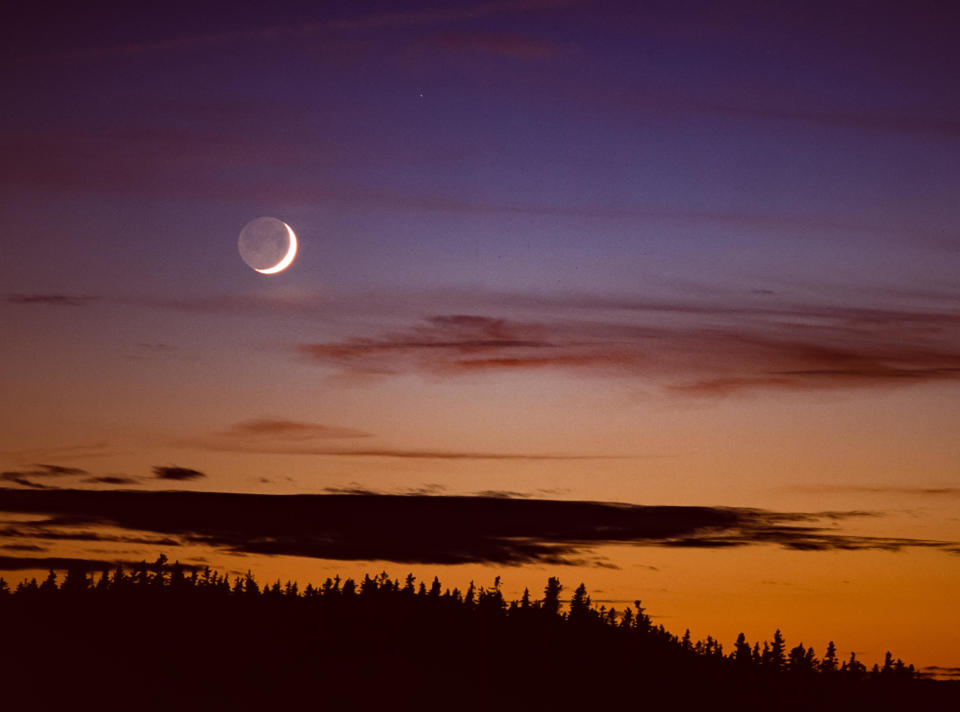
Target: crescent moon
[287, 258]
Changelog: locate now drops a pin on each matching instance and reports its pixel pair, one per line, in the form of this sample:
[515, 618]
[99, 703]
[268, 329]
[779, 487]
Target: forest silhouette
[163, 636]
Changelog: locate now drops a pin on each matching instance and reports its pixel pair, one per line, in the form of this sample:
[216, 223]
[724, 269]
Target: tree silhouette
[551, 597]
[777, 658]
[402, 635]
[741, 651]
[579, 605]
[829, 663]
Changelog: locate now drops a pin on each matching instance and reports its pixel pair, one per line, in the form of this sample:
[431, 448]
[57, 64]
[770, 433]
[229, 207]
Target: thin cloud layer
[919, 491]
[99, 449]
[289, 430]
[690, 349]
[434, 529]
[111, 480]
[59, 563]
[273, 34]
[941, 671]
[27, 478]
[67, 300]
[288, 437]
[62, 563]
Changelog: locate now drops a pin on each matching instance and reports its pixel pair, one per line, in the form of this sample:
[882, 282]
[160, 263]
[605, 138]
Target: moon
[267, 245]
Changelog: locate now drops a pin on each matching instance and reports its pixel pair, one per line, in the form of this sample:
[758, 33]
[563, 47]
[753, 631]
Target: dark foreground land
[161, 639]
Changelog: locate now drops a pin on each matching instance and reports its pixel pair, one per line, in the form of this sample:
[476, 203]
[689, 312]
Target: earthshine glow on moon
[267, 245]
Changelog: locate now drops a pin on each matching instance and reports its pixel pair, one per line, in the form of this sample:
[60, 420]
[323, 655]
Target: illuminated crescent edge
[287, 258]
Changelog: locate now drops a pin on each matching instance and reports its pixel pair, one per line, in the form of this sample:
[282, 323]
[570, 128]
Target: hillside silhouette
[168, 637]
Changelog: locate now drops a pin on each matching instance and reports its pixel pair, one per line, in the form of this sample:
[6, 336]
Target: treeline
[421, 641]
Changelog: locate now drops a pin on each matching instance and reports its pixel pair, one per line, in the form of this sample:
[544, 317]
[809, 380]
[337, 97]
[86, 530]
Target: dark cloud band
[434, 529]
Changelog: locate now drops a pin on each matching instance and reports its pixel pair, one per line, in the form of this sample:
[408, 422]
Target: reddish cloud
[289, 437]
[688, 348]
[288, 430]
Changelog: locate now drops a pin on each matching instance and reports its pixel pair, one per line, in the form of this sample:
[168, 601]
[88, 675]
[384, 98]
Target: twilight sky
[697, 257]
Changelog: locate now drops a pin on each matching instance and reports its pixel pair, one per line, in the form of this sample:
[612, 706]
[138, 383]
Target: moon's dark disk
[268, 245]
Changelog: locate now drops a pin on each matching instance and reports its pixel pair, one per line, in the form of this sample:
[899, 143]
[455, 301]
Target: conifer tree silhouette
[579, 605]
[778, 657]
[741, 651]
[400, 627]
[829, 663]
[551, 596]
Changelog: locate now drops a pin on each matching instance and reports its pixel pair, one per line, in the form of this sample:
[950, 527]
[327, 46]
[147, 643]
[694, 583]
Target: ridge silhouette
[163, 637]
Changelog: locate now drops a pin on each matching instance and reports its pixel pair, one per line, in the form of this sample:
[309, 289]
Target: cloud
[112, 480]
[25, 478]
[23, 481]
[61, 471]
[503, 494]
[750, 346]
[357, 490]
[99, 449]
[176, 473]
[66, 300]
[40, 470]
[400, 453]
[58, 563]
[460, 455]
[503, 44]
[266, 429]
[436, 529]
[426, 489]
[46, 531]
[935, 125]
[939, 671]
[913, 490]
[288, 437]
[399, 19]
[155, 161]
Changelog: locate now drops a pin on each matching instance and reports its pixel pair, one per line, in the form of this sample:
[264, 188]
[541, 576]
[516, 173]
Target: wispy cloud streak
[288, 437]
[691, 348]
[399, 19]
[65, 300]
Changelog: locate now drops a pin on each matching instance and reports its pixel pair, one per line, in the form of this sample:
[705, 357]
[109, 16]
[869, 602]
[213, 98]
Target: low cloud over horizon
[27, 477]
[422, 529]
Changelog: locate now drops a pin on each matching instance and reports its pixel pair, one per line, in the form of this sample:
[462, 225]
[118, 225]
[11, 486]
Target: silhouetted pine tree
[778, 658]
[480, 631]
[741, 651]
[551, 597]
[829, 663]
[579, 605]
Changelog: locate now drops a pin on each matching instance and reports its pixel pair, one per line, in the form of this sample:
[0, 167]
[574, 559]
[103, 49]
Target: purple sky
[661, 253]
[513, 145]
